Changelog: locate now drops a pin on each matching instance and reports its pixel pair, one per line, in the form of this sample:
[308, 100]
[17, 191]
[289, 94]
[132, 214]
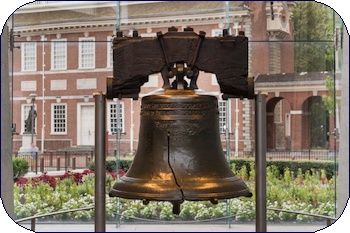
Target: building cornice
[108, 23]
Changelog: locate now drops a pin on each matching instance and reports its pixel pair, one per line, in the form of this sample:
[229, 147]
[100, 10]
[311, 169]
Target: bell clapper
[145, 201]
[214, 201]
[176, 206]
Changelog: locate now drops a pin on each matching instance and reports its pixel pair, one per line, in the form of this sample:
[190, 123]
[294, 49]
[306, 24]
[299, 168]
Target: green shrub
[124, 164]
[20, 167]
[293, 165]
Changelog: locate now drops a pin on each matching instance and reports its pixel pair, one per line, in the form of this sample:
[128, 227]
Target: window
[216, 32]
[222, 116]
[59, 54]
[24, 116]
[28, 56]
[87, 53]
[58, 118]
[112, 117]
[109, 51]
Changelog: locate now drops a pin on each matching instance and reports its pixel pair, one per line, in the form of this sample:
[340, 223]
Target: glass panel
[66, 54]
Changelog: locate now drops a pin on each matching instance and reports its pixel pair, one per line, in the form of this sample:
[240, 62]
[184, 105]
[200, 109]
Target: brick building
[65, 56]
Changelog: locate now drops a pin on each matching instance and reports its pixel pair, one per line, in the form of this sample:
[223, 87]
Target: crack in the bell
[182, 194]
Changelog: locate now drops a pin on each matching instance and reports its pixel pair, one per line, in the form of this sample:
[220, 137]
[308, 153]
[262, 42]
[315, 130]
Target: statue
[30, 122]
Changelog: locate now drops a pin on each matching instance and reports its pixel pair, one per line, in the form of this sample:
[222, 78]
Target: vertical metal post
[58, 163]
[260, 162]
[36, 163]
[32, 224]
[228, 149]
[65, 160]
[100, 162]
[117, 17]
[117, 220]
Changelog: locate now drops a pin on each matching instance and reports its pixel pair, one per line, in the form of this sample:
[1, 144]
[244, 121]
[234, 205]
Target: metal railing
[329, 219]
[290, 155]
[33, 218]
[57, 160]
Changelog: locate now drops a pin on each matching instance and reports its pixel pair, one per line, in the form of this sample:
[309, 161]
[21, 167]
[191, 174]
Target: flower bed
[298, 192]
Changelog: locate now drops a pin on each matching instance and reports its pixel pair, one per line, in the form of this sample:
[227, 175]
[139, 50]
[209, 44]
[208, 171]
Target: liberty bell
[179, 155]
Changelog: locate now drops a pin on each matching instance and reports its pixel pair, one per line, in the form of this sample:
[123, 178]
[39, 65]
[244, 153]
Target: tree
[313, 27]
[329, 100]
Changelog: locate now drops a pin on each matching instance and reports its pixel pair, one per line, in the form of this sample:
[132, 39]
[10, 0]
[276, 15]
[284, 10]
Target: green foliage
[278, 166]
[312, 22]
[166, 212]
[20, 167]
[319, 125]
[309, 192]
[124, 164]
[329, 100]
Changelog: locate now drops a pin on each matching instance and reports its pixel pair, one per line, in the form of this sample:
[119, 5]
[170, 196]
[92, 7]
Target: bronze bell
[179, 156]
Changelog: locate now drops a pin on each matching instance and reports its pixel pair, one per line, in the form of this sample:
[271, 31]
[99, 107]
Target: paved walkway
[176, 228]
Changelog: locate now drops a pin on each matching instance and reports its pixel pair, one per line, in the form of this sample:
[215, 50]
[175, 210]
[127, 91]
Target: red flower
[121, 172]
[21, 182]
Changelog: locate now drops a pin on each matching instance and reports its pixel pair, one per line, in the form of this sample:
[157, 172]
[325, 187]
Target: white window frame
[81, 39]
[121, 109]
[52, 119]
[64, 41]
[23, 58]
[287, 123]
[109, 51]
[23, 118]
[216, 31]
[222, 128]
[152, 34]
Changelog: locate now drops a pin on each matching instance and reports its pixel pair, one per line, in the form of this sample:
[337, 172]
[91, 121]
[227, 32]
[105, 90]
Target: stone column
[6, 132]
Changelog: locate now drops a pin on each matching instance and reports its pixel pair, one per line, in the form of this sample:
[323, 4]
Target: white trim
[23, 119]
[86, 83]
[137, 23]
[79, 105]
[296, 112]
[216, 32]
[28, 85]
[64, 41]
[222, 129]
[22, 56]
[152, 34]
[70, 97]
[52, 119]
[57, 85]
[214, 80]
[287, 124]
[81, 39]
[152, 81]
[293, 87]
[64, 71]
[109, 48]
[109, 115]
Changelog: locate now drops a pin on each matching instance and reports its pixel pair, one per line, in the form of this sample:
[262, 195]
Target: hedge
[124, 164]
[20, 167]
[293, 165]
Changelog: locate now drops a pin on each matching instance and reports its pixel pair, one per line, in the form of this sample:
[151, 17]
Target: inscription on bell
[178, 131]
[179, 105]
[178, 113]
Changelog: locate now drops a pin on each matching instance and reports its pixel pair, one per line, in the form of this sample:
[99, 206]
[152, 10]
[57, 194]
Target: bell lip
[172, 197]
[149, 196]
